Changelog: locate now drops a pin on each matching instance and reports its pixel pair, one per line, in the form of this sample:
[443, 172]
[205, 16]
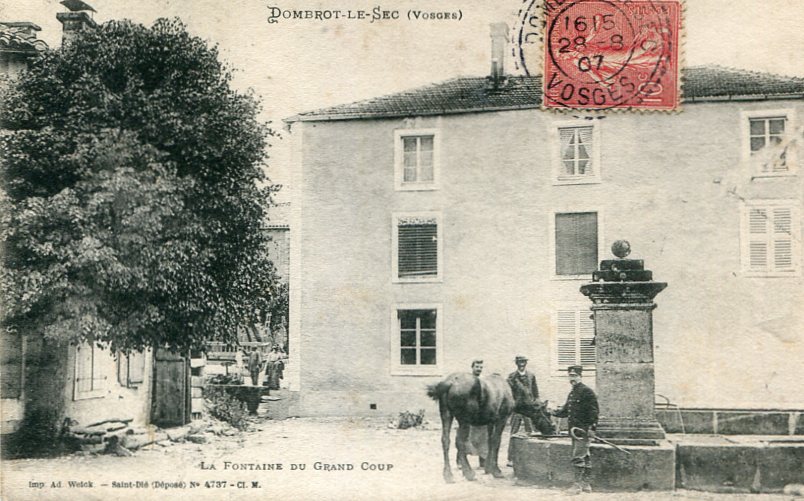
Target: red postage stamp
[610, 54]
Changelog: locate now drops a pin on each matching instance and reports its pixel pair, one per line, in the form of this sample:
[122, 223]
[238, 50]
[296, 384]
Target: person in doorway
[275, 367]
[478, 442]
[581, 411]
[254, 365]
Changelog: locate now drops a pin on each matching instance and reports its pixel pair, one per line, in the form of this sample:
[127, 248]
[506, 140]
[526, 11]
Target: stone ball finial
[621, 248]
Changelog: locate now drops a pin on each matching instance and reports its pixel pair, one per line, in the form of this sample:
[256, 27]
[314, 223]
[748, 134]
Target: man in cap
[526, 396]
[581, 411]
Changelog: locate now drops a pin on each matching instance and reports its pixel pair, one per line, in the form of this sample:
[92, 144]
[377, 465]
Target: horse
[477, 401]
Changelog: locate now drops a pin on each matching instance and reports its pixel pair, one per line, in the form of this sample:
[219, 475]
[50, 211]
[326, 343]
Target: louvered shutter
[418, 249]
[757, 239]
[122, 369]
[84, 365]
[576, 243]
[586, 334]
[574, 337]
[566, 339]
[782, 239]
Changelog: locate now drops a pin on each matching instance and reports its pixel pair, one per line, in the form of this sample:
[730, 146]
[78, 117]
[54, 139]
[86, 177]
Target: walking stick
[578, 434]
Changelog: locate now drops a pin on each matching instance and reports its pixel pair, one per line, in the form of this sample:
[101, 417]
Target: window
[575, 244]
[768, 146]
[574, 333]
[770, 238]
[89, 380]
[416, 153]
[417, 249]
[130, 369]
[577, 159]
[11, 365]
[416, 339]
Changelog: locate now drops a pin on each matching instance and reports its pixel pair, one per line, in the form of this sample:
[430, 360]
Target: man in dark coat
[581, 411]
[526, 396]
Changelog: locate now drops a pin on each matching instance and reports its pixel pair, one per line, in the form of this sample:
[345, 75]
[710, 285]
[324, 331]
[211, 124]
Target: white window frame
[580, 309]
[795, 238]
[397, 369]
[98, 378]
[559, 178]
[790, 128]
[399, 160]
[601, 246]
[395, 217]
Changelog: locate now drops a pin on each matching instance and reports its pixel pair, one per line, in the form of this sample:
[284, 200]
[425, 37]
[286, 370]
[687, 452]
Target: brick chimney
[79, 18]
[499, 39]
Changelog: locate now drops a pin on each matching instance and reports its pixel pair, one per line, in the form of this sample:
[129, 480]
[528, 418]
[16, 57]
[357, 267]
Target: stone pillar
[622, 293]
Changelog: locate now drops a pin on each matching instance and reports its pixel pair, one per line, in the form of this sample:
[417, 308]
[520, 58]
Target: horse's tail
[435, 391]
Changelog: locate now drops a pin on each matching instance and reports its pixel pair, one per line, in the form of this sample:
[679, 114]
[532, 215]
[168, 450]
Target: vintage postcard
[401, 250]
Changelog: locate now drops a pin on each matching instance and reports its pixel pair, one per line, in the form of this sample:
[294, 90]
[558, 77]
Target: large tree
[135, 192]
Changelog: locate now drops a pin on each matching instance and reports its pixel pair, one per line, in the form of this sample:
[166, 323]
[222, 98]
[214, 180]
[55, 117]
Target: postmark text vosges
[376, 14]
[604, 54]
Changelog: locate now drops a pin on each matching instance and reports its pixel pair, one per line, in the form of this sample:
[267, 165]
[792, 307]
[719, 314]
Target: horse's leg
[460, 442]
[495, 438]
[446, 428]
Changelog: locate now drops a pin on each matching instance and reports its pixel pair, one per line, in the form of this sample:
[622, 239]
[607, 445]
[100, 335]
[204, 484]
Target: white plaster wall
[671, 184]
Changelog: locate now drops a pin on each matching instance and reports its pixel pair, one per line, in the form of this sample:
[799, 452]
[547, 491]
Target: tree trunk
[45, 386]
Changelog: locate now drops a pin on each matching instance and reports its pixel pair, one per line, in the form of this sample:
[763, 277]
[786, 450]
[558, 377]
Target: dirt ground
[343, 460]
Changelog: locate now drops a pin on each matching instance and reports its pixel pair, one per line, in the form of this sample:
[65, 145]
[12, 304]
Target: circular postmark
[602, 54]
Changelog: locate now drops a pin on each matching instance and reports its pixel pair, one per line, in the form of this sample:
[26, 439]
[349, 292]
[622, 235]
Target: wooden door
[171, 389]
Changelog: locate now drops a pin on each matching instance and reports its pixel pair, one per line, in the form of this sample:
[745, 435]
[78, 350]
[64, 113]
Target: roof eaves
[407, 114]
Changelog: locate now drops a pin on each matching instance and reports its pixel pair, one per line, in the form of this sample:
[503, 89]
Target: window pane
[410, 175]
[428, 318]
[582, 152]
[407, 319]
[428, 356]
[427, 143]
[582, 167]
[777, 126]
[409, 144]
[428, 338]
[407, 338]
[576, 243]
[569, 167]
[757, 143]
[757, 127]
[427, 173]
[408, 356]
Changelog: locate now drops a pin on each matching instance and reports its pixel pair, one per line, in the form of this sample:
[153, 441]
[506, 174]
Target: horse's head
[542, 421]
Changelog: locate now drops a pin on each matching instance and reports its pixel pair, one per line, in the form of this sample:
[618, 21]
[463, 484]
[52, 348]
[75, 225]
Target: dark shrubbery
[221, 405]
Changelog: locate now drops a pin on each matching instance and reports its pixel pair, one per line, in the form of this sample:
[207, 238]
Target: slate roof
[20, 37]
[476, 94]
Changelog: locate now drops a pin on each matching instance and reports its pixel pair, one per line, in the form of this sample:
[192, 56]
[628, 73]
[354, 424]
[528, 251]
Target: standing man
[581, 410]
[526, 395]
[478, 442]
[254, 365]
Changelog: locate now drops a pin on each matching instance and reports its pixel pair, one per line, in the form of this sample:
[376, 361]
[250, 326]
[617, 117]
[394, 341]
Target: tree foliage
[135, 191]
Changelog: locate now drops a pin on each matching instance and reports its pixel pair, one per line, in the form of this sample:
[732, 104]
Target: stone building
[459, 220]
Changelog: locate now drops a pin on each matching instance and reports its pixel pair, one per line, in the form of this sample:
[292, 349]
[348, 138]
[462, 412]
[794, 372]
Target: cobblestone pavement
[343, 460]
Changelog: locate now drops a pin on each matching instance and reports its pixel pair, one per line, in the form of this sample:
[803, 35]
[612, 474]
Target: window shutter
[587, 336]
[576, 243]
[122, 369]
[782, 239]
[574, 338]
[84, 366]
[136, 367]
[418, 249]
[566, 339]
[757, 239]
